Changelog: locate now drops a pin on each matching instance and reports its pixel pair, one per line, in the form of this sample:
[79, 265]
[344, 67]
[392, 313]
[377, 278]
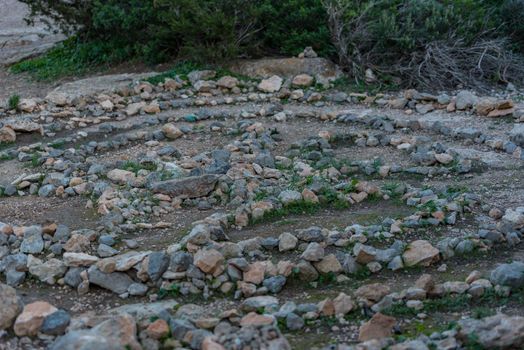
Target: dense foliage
[393, 37]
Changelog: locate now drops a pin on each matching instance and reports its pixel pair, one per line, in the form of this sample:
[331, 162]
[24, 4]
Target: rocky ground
[274, 212]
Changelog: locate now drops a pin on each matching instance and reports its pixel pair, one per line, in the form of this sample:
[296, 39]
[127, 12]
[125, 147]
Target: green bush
[13, 101]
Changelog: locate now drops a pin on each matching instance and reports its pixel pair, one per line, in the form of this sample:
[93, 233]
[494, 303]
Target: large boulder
[189, 187]
[32, 317]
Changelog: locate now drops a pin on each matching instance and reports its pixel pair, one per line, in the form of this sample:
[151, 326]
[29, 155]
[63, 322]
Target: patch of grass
[136, 167]
[173, 291]
[182, 69]
[57, 144]
[13, 101]
[5, 145]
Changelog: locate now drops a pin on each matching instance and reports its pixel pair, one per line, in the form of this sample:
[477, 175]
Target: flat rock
[189, 187]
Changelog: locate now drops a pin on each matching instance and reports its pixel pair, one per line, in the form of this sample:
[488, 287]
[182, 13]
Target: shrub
[13, 102]
[434, 44]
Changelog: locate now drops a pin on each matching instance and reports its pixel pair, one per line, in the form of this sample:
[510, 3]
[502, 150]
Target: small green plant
[13, 102]
[172, 291]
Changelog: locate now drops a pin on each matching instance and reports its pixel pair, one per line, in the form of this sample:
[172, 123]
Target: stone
[328, 264]
[227, 82]
[420, 252]
[120, 176]
[425, 282]
[49, 271]
[289, 196]
[10, 306]
[77, 243]
[28, 323]
[171, 131]
[158, 264]
[7, 135]
[287, 241]
[495, 332]
[511, 275]
[465, 99]
[255, 273]
[275, 284]
[56, 323]
[158, 329]
[378, 327]
[372, 292]
[189, 187]
[117, 282]
[210, 261]
[313, 252]
[294, 322]
[79, 259]
[258, 302]
[303, 80]
[33, 242]
[272, 84]
[343, 304]
[254, 319]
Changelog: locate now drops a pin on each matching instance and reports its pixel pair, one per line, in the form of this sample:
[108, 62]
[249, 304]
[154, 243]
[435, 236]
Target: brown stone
[254, 319]
[372, 292]
[171, 131]
[30, 320]
[209, 261]
[420, 252]
[378, 327]
[425, 282]
[255, 273]
[326, 307]
[158, 329]
[7, 135]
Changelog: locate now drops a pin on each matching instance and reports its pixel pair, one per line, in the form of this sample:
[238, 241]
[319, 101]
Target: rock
[364, 254]
[209, 261]
[328, 264]
[373, 292]
[77, 243]
[7, 135]
[56, 323]
[27, 105]
[33, 242]
[79, 259]
[117, 282]
[465, 99]
[120, 176]
[256, 303]
[255, 273]
[343, 304]
[425, 282]
[495, 332]
[48, 271]
[289, 196]
[10, 306]
[287, 241]
[158, 264]
[444, 158]
[275, 284]
[158, 329]
[294, 322]
[272, 84]
[143, 311]
[511, 275]
[254, 319]
[227, 82]
[28, 323]
[378, 327]
[303, 80]
[517, 134]
[313, 252]
[171, 131]
[189, 187]
[58, 98]
[420, 252]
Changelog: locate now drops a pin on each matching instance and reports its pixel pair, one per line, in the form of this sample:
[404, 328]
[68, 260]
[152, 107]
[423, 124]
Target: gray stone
[158, 264]
[294, 322]
[137, 289]
[46, 190]
[33, 242]
[190, 187]
[105, 251]
[255, 303]
[275, 284]
[117, 282]
[72, 277]
[511, 275]
[289, 196]
[56, 323]
[10, 306]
